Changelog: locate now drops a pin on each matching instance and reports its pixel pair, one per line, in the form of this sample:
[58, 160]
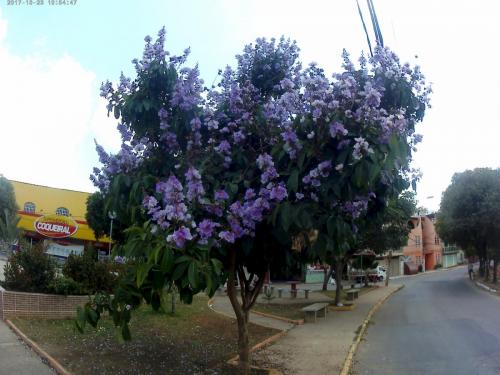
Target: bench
[351, 294]
[314, 308]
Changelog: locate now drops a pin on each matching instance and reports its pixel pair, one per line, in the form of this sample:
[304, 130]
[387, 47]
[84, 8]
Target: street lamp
[112, 216]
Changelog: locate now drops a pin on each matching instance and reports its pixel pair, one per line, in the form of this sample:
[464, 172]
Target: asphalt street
[438, 323]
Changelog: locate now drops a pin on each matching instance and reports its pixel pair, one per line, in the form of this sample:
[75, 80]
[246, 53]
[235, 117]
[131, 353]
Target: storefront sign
[56, 226]
[64, 251]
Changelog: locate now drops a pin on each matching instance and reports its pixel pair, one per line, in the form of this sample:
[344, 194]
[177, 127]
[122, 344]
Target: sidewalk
[317, 348]
[17, 359]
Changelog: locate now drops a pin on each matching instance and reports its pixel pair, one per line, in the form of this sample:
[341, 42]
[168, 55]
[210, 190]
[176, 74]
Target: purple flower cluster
[321, 171]
[187, 91]
[292, 144]
[355, 208]
[266, 165]
[195, 190]
[224, 148]
[337, 129]
[361, 148]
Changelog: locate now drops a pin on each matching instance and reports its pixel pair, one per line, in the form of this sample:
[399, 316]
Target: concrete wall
[396, 268]
[450, 260]
[50, 306]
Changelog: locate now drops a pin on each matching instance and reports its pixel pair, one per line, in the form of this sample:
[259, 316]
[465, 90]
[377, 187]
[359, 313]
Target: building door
[430, 262]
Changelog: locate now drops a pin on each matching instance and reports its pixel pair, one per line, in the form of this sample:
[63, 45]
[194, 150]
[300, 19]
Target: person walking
[471, 270]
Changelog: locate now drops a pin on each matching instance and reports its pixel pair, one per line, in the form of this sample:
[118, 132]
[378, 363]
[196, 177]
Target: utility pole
[112, 216]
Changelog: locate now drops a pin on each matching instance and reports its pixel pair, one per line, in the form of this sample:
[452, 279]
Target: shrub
[437, 266]
[93, 275]
[29, 270]
[420, 268]
[66, 286]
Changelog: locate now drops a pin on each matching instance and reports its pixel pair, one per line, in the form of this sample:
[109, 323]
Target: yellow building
[57, 217]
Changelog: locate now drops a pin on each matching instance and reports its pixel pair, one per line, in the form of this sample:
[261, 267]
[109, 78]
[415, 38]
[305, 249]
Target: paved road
[438, 324]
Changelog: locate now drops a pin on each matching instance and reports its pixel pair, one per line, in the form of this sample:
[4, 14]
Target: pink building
[424, 246]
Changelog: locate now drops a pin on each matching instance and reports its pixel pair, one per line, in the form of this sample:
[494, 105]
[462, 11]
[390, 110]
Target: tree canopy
[211, 184]
[8, 212]
[469, 214]
[389, 230]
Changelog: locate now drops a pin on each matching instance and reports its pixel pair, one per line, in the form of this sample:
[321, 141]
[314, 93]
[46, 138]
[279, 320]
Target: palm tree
[9, 232]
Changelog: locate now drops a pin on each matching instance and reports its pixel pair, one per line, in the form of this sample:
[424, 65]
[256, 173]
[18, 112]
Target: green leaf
[359, 175]
[182, 259]
[142, 273]
[193, 274]
[293, 181]
[285, 216]
[92, 317]
[179, 270]
[156, 253]
[81, 319]
[331, 225]
[167, 260]
[217, 265]
[210, 285]
[126, 332]
[233, 188]
[305, 219]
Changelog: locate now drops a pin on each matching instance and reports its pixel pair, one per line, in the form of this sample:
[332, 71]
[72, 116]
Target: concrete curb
[260, 345]
[297, 322]
[58, 368]
[427, 272]
[481, 285]
[347, 367]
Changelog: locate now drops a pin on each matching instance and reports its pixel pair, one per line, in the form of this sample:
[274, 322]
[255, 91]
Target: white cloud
[50, 115]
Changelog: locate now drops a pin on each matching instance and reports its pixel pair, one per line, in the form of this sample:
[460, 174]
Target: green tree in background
[389, 230]
[469, 215]
[9, 219]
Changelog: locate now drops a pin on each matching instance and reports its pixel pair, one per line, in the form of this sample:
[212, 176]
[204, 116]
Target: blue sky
[53, 59]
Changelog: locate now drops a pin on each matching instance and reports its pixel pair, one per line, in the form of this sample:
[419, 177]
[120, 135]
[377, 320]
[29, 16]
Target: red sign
[56, 226]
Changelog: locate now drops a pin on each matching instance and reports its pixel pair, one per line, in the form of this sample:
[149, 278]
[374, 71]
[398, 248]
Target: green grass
[191, 341]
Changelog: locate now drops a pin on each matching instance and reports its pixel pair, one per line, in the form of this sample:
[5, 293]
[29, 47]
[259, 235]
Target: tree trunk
[495, 262]
[388, 270]
[174, 302]
[481, 266]
[487, 269]
[248, 295]
[338, 280]
[328, 274]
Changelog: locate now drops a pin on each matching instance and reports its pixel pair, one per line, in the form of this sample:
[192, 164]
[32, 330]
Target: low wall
[37, 305]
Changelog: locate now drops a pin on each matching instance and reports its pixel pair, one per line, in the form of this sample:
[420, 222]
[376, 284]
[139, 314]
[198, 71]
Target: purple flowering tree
[357, 133]
[212, 184]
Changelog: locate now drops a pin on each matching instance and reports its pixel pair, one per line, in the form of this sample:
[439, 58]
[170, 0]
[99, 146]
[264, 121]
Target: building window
[29, 207]
[417, 240]
[436, 240]
[63, 211]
